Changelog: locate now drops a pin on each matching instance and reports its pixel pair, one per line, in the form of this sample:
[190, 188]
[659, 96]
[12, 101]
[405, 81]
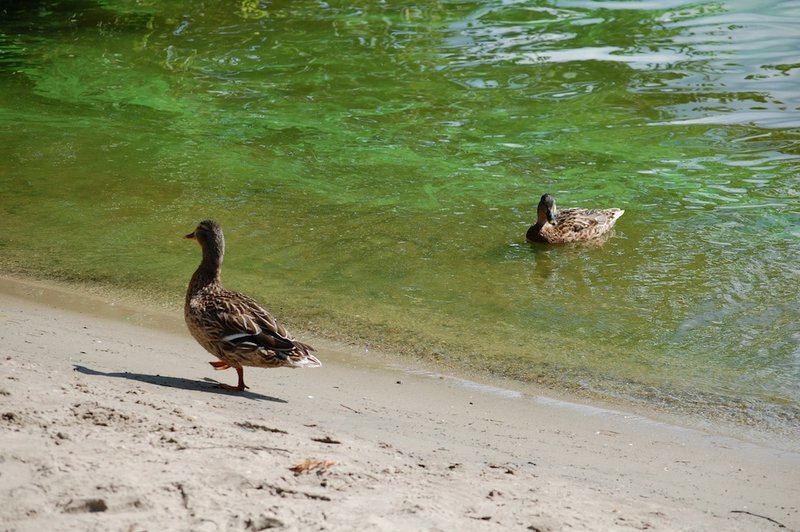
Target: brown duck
[570, 225]
[232, 326]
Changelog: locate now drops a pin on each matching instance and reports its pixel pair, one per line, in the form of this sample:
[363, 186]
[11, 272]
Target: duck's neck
[209, 270]
[538, 232]
[541, 220]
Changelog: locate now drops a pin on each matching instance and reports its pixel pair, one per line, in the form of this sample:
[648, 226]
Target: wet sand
[109, 420]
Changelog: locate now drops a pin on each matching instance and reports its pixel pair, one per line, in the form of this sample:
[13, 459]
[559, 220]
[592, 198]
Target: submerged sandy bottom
[109, 422]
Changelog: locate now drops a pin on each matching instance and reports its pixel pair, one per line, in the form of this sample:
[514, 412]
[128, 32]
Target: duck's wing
[580, 219]
[245, 326]
[582, 223]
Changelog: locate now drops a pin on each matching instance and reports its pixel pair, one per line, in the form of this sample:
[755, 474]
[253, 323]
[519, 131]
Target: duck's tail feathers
[615, 215]
[307, 361]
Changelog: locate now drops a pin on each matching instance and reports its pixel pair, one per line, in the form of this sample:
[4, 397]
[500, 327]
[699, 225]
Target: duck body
[233, 326]
[570, 225]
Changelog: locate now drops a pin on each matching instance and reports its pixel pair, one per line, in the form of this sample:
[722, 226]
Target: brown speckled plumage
[570, 225]
[232, 326]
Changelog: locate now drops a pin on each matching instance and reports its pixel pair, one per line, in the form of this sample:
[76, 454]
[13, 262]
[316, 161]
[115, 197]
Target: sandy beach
[109, 420]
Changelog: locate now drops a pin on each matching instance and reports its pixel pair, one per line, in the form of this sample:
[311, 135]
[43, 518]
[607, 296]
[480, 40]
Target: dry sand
[108, 421]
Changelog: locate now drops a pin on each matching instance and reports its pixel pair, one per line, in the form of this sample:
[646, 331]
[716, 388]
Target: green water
[376, 164]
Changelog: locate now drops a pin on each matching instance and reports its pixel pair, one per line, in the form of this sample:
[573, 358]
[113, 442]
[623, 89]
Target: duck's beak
[551, 216]
[191, 236]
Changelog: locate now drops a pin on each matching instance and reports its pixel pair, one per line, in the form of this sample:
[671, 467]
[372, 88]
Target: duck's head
[209, 235]
[546, 212]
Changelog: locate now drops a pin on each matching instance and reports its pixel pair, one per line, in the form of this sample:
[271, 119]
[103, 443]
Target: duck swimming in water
[232, 326]
[570, 225]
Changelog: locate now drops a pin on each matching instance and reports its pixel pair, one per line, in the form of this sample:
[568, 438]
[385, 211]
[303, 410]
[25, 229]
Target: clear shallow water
[376, 167]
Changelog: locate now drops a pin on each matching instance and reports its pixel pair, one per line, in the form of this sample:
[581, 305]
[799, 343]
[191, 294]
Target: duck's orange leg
[238, 388]
[219, 365]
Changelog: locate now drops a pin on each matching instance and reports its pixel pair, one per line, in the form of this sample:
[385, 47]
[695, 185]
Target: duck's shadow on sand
[205, 385]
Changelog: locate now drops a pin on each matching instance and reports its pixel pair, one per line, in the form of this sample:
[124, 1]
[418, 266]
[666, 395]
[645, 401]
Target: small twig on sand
[242, 447]
[252, 426]
[771, 520]
[326, 439]
[350, 409]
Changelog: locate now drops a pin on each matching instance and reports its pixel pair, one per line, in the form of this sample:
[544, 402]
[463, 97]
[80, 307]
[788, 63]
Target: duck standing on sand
[570, 225]
[232, 326]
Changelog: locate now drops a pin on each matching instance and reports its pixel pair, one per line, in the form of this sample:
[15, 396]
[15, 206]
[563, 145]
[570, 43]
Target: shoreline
[110, 422]
[128, 306]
